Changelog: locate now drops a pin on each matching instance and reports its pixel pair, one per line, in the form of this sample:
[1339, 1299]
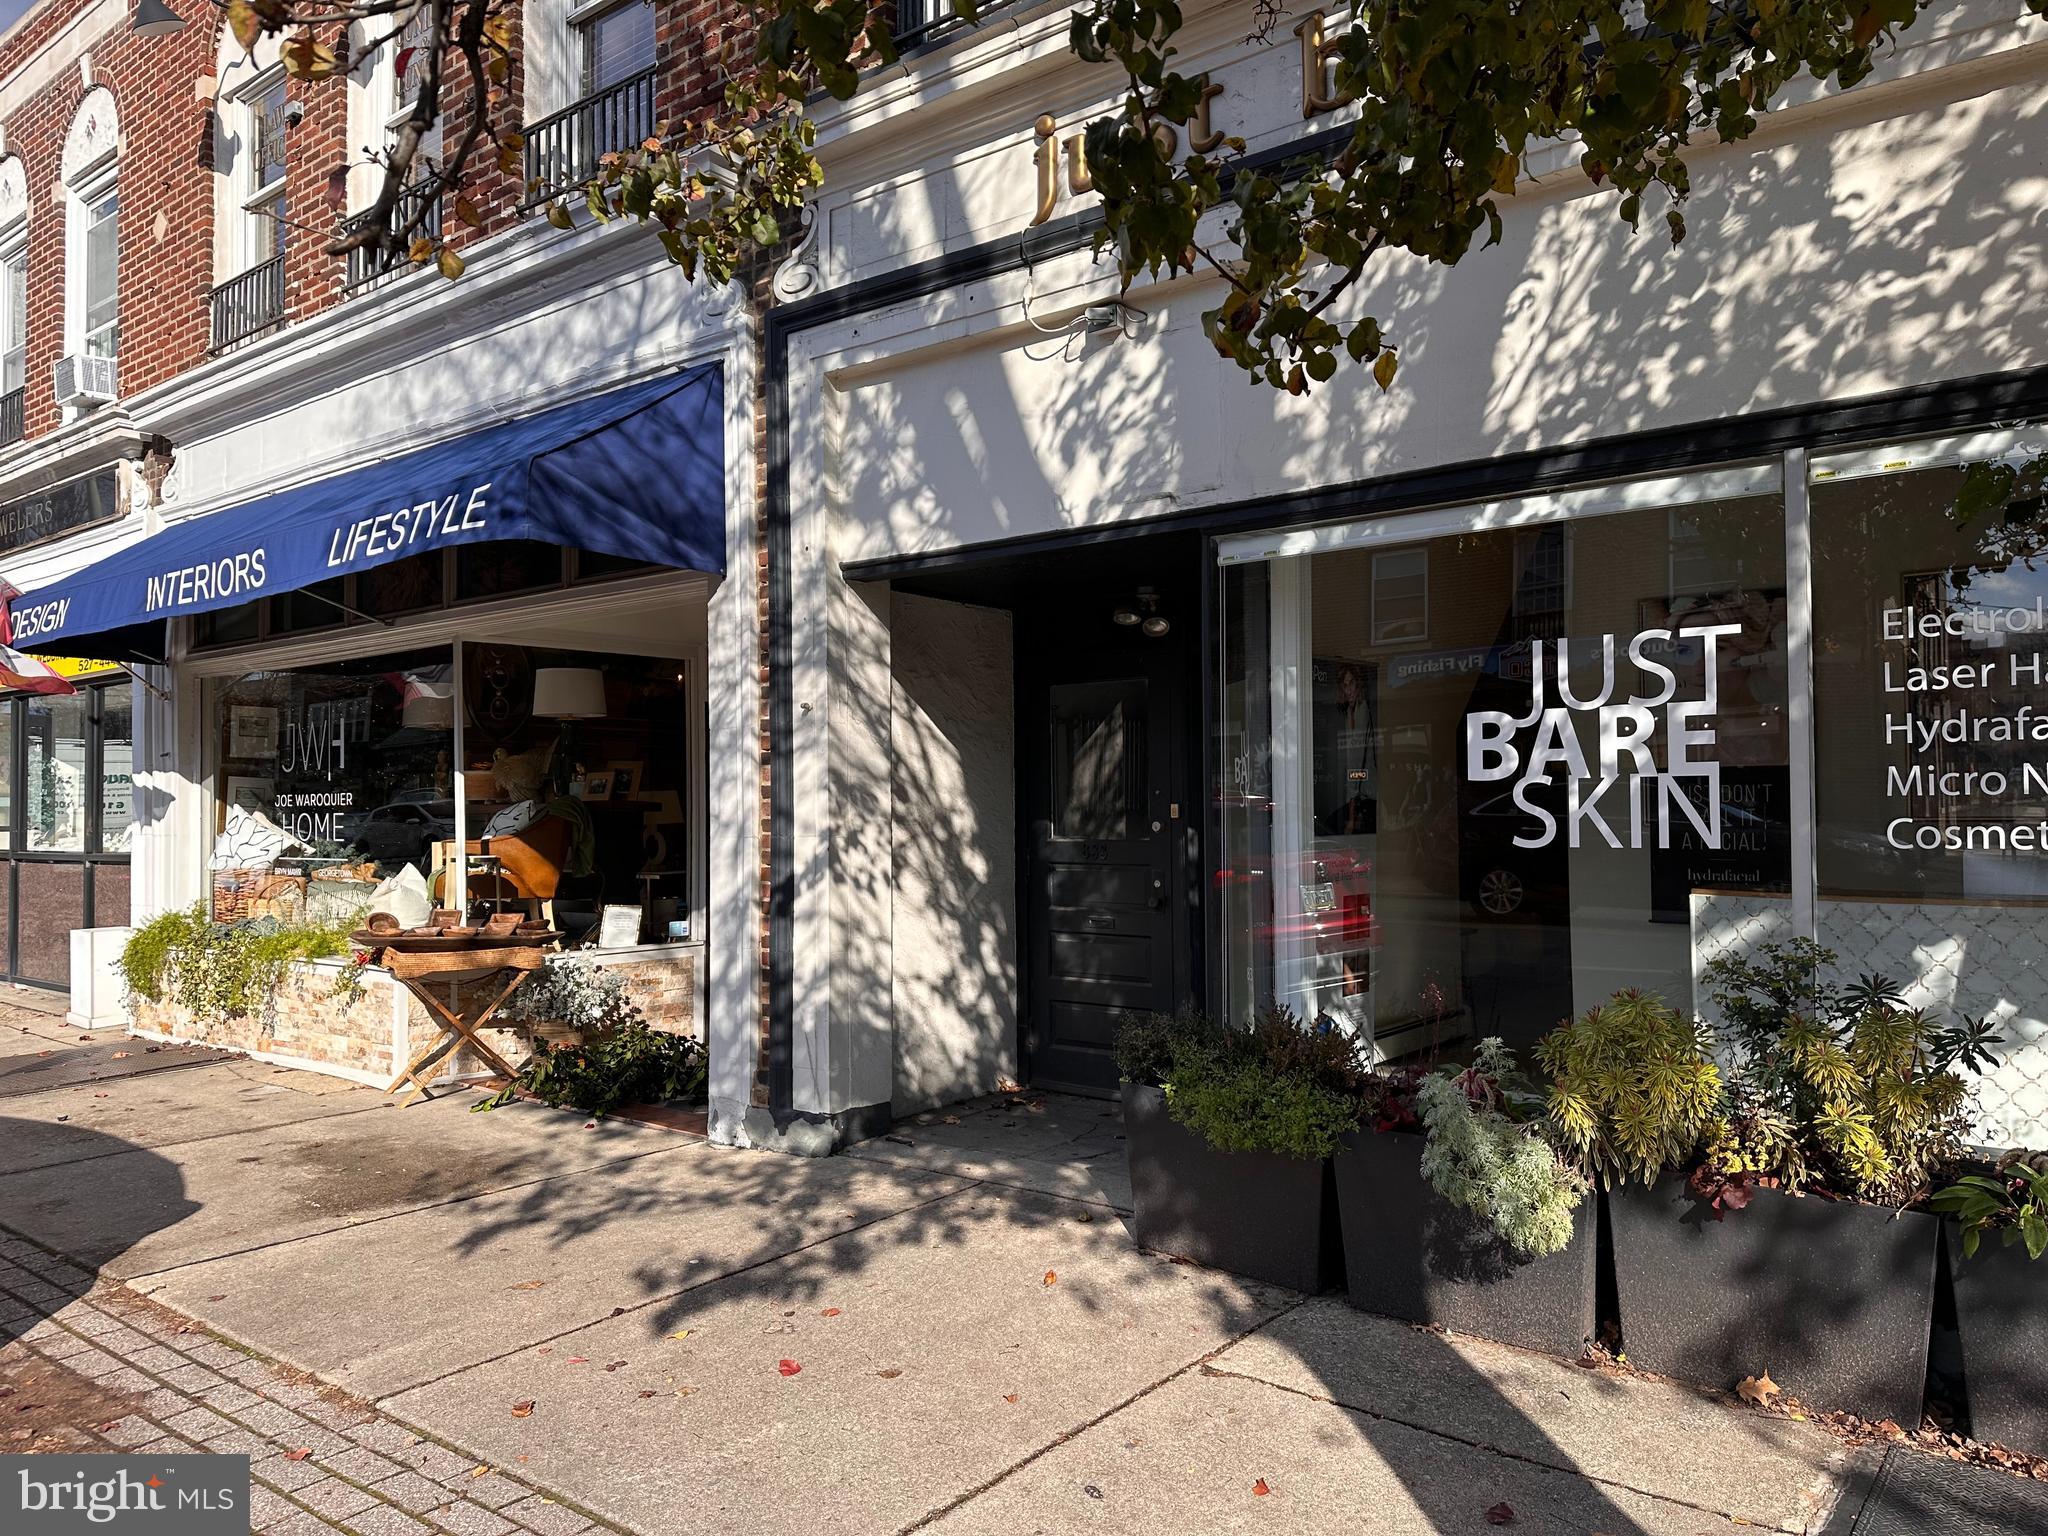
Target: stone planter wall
[367, 1037]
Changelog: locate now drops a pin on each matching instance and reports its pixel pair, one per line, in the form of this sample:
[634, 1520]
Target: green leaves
[1633, 1089]
[1447, 95]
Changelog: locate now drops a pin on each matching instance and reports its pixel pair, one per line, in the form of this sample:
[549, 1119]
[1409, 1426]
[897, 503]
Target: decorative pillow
[513, 819]
[251, 840]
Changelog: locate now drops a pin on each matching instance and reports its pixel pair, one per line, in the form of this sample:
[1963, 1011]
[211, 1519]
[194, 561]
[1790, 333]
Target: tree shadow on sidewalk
[35, 1283]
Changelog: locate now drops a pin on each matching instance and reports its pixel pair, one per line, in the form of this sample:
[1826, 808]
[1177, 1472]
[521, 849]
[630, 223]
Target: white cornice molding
[512, 275]
[95, 440]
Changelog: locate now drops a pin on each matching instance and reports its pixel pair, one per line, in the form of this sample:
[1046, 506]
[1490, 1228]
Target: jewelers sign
[61, 509]
[1650, 746]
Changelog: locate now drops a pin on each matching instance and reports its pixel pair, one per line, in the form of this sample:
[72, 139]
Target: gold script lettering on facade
[1318, 61]
[1203, 136]
[1047, 158]
[1073, 149]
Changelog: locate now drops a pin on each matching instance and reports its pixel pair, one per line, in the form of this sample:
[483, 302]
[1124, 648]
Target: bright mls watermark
[124, 1495]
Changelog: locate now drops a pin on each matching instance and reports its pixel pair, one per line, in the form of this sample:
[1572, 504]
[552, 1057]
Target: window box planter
[2005, 1349]
[1257, 1214]
[1409, 1253]
[1835, 1299]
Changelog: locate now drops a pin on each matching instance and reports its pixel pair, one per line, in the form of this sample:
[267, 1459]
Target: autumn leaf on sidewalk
[1502, 1513]
[1052, 1277]
[1758, 1389]
[788, 1367]
[1260, 1489]
[523, 1409]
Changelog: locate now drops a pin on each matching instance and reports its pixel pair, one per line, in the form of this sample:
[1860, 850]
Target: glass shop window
[59, 774]
[1931, 745]
[1474, 783]
[328, 780]
[576, 790]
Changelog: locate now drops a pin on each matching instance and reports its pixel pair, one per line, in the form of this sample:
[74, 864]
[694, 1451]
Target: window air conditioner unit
[83, 380]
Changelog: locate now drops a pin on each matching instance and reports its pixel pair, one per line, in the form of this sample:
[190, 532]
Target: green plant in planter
[1146, 1042]
[2012, 1201]
[622, 1060]
[221, 970]
[1271, 1085]
[1480, 1157]
[1633, 1089]
[1873, 1091]
[632, 1064]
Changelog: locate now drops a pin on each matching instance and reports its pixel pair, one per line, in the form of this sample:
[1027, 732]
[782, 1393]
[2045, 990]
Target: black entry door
[1101, 879]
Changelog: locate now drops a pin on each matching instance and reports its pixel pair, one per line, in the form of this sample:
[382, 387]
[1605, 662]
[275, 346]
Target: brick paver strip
[174, 1384]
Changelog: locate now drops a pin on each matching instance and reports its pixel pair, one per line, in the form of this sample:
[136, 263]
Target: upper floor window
[92, 265]
[13, 295]
[100, 331]
[409, 66]
[615, 39]
[259, 171]
[13, 318]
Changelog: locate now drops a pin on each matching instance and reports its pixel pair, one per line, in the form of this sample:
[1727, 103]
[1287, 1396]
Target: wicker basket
[272, 895]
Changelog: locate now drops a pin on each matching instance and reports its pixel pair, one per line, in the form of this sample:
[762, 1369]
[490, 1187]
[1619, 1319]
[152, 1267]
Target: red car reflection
[1333, 910]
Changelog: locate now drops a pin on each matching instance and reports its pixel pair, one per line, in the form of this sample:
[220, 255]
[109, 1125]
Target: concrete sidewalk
[976, 1343]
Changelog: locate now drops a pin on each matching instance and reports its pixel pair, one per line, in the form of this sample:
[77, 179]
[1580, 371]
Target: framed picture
[618, 927]
[597, 786]
[627, 779]
[252, 731]
[251, 794]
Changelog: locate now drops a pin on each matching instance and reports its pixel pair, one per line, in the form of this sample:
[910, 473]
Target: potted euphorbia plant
[1229, 1129]
[1999, 1234]
[1789, 1245]
[1458, 1210]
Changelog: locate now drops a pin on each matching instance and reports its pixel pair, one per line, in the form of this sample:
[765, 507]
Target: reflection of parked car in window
[1501, 878]
[403, 831]
[1334, 901]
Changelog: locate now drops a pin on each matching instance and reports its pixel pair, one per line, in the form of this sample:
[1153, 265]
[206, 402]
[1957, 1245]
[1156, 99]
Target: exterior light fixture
[1144, 613]
[153, 18]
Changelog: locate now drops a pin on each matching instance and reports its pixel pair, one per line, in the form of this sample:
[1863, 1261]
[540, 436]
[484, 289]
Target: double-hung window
[261, 171]
[614, 40]
[100, 242]
[13, 312]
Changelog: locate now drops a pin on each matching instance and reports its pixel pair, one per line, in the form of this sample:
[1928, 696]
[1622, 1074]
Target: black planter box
[1833, 1298]
[2000, 1298]
[1253, 1213]
[1410, 1253]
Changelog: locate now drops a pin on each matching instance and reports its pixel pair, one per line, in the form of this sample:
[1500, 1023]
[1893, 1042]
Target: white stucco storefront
[1859, 268]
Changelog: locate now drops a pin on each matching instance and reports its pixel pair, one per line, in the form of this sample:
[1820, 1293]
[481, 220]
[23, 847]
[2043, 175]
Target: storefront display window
[66, 812]
[1481, 767]
[57, 783]
[335, 778]
[345, 770]
[1930, 678]
[1478, 775]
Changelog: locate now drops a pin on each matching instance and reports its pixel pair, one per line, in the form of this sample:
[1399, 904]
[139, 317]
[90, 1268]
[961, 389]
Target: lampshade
[153, 18]
[428, 712]
[568, 693]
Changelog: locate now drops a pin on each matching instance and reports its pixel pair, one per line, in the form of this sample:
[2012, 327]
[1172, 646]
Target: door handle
[1155, 902]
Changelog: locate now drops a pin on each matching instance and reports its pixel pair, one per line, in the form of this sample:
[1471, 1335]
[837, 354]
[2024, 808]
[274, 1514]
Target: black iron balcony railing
[921, 21]
[564, 149]
[11, 409]
[249, 304]
[368, 263]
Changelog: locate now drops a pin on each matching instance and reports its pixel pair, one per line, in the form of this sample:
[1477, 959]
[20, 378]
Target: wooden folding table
[487, 975]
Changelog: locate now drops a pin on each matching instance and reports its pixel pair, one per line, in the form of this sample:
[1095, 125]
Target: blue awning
[637, 472]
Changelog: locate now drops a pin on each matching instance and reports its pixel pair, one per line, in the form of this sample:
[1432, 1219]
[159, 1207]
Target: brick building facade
[251, 358]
